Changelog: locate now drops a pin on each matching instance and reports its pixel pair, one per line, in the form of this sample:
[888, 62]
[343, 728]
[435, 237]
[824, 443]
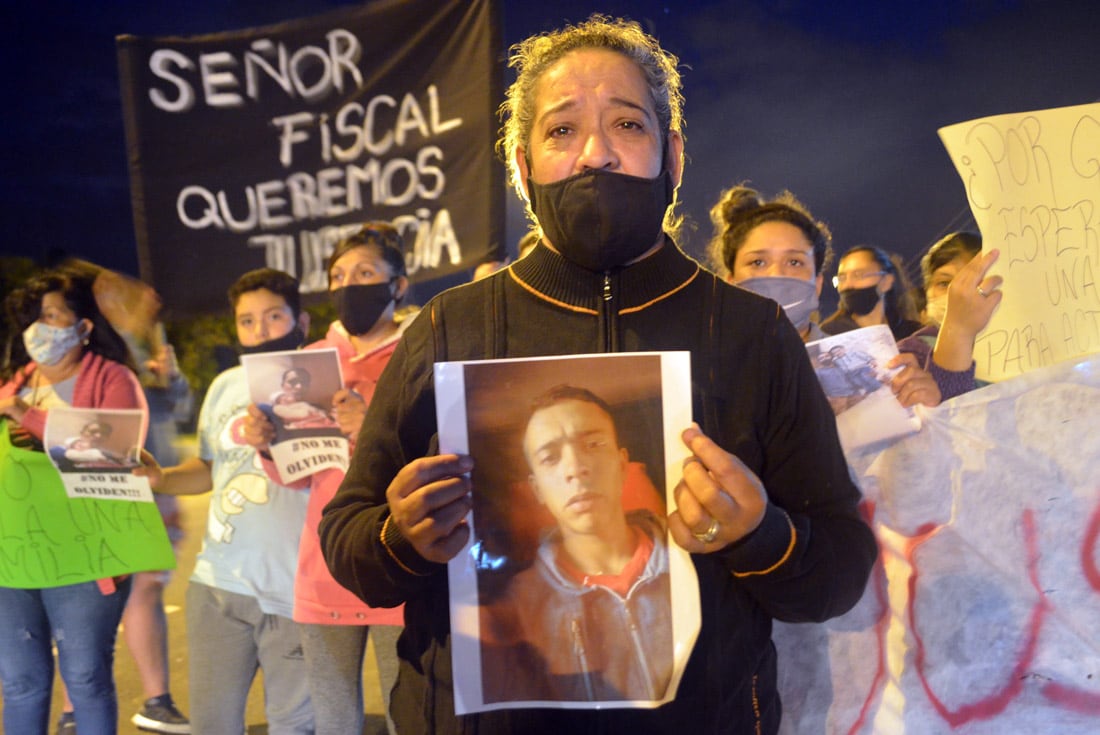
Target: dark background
[837, 101]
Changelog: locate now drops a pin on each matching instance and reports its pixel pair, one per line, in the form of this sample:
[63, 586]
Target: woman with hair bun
[774, 248]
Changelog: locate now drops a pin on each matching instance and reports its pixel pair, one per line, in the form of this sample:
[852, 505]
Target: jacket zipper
[639, 653]
[582, 657]
[607, 313]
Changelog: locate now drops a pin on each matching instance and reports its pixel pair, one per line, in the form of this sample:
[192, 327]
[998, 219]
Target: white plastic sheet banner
[982, 616]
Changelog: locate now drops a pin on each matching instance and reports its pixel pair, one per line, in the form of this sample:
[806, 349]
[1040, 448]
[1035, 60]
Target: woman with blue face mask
[776, 248]
[62, 353]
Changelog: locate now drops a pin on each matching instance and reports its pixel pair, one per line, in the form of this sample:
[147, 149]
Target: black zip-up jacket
[753, 392]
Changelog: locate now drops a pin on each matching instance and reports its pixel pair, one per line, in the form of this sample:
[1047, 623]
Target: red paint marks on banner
[1074, 699]
[995, 703]
[883, 622]
[1088, 550]
[1070, 697]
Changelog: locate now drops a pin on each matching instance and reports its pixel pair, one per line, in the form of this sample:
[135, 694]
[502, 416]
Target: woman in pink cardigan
[366, 281]
[62, 353]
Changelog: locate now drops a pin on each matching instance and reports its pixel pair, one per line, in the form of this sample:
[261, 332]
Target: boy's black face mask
[292, 340]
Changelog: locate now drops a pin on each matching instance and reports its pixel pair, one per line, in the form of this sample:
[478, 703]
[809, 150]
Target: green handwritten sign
[48, 539]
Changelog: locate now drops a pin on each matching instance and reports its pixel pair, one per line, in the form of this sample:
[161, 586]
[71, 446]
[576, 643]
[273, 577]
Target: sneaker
[66, 724]
[159, 714]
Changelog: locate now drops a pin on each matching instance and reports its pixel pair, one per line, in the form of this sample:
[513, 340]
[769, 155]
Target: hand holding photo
[296, 393]
[76, 512]
[569, 554]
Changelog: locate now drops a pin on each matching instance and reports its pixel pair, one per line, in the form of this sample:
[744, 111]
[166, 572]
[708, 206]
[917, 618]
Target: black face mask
[360, 306]
[859, 301]
[599, 219]
[292, 340]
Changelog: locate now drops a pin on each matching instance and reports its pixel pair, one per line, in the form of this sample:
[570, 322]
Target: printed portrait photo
[851, 368]
[90, 440]
[571, 546]
[295, 389]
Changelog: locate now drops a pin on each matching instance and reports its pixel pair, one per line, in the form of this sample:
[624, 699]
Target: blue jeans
[83, 622]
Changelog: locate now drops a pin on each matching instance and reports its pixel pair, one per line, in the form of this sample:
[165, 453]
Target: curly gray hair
[532, 57]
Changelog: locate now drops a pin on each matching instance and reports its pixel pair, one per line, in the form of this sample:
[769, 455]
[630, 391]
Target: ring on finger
[692, 458]
[710, 534]
[981, 292]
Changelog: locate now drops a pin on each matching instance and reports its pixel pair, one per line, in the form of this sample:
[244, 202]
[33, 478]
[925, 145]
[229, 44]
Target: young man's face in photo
[262, 316]
[577, 467]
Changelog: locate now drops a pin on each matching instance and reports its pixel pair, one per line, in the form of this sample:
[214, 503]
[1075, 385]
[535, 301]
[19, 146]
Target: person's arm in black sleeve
[784, 509]
[810, 558]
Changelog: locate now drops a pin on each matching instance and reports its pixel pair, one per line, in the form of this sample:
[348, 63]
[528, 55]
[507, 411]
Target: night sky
[838, 102]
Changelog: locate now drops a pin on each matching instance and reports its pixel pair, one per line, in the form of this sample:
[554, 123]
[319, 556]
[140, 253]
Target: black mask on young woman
[292, 340]
[359, 306]
[859, 301]
[600, 219]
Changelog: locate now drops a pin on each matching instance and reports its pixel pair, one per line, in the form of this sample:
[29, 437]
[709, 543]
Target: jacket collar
[642, 519]
[548, 275]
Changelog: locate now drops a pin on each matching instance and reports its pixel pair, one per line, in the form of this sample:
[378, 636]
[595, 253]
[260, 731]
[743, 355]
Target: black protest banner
[264, 146]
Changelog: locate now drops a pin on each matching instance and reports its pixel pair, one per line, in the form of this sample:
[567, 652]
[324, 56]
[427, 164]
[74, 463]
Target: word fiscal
[374, 128]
